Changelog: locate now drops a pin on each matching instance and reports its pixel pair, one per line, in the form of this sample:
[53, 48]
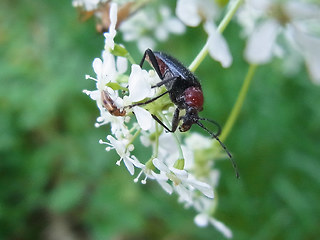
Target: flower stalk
[222, 26]
[239, 103]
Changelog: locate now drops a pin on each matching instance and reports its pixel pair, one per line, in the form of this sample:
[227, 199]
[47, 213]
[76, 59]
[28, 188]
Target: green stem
[134, 137]
[156, 150]
[222, 26]
[238, 105]
[227, 18]
[130, 58]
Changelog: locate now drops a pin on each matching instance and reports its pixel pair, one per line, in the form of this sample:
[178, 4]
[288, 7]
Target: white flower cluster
[279, 28]
[152, 25]
[172, 163]
[192, 13]
[285, 29]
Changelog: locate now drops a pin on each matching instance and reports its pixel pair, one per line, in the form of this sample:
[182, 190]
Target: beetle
[185, 92]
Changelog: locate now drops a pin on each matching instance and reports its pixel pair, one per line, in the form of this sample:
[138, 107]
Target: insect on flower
[110, 105]
[185, 92]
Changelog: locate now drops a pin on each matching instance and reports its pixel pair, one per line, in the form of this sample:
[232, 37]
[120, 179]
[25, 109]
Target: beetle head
[191, 117]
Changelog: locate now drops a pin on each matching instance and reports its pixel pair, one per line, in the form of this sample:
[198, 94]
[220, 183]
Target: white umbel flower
[118, 96]
[193, 12]
[153, 21]
[297, 22]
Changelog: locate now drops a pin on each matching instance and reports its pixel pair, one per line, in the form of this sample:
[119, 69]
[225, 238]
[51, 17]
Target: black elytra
[185, 92]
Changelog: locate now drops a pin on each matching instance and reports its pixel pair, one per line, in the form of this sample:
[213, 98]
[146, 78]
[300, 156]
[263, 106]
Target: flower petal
[129, 165]
[184, 193]
[166, 186]
[220, 226]
[201, 220]
[139, 87]
[260, 43]
[136, 162]
[218, 47]
[175, 26]
[179, 173]
[187, 11]
[109, 42]
[97, 66]
[113, 14]
[205, 188]
[310, 46]
[122, 64]
[160, 165]
[145, 42]
[144, 118]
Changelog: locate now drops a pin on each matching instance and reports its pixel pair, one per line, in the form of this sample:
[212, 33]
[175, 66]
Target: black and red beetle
[185, 92]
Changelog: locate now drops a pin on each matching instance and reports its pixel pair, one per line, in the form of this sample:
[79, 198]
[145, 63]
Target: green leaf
[119, 51]
[116, 86]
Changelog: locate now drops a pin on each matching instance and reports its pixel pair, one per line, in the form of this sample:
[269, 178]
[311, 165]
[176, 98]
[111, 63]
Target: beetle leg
[159, 84]
[153, 61]
[146, 102]
[161, 123]
[175, 121]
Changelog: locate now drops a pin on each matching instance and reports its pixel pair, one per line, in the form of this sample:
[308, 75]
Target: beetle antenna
[213, 122]
[222, 145]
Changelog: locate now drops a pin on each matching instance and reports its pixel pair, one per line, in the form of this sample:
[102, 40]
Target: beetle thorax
[194, 97]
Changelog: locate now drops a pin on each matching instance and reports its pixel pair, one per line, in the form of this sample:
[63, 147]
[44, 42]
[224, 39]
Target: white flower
[183, 182]
[261, 42]
[206, 209]
[192, 12]
[197, 141]
[161, 178]
[106, 71]
[123, 150]
[169, 24]
[144, 118]
[139, 84]
[172, 163]
[140, 88]
[153, 21]
[310, 50]
[297, 21]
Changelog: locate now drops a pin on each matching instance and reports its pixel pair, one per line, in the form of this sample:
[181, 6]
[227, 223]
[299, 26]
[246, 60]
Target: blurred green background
[57, 182]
